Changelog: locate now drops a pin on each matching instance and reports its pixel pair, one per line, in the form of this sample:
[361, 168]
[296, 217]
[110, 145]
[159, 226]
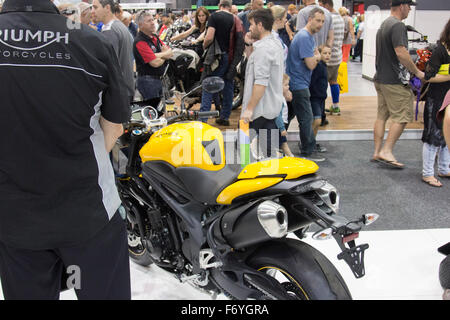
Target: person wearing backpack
[436, 72]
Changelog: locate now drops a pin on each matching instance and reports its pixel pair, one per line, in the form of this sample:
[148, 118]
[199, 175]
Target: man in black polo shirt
[150, 55]
[63, 102]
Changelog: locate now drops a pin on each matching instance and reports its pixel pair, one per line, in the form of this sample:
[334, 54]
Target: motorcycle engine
[160, 242]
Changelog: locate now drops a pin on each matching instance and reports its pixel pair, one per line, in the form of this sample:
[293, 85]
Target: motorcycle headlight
[329, 195]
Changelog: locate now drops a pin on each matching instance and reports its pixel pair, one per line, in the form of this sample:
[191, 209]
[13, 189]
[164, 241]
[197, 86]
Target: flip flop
[432, 182]
[390, 163]
[447, 176]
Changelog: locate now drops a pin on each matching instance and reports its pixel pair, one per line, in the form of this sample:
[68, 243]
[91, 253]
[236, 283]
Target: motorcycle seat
[205, 185]
[261, 175]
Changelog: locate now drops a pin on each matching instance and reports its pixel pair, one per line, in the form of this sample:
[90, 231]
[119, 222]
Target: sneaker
[222, 122]
[335, 110]
[320, 148]
[312, 157]
[324, 122]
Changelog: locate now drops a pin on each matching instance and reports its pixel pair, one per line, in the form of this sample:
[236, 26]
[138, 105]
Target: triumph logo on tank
[24, 43]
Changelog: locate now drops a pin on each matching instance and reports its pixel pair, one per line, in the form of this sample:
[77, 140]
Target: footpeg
[205, 256]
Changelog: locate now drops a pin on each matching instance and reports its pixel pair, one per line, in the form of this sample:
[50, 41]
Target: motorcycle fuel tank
[187, 144]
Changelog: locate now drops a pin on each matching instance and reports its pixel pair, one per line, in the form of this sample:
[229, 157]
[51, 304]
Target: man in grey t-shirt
[393, 68]
[326, 34]
[120, 38]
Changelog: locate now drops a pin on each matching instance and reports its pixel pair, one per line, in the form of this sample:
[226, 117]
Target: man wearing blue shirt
[302, 59]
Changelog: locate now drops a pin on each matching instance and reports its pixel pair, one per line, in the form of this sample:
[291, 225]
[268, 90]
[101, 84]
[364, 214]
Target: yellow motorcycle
[227, 229]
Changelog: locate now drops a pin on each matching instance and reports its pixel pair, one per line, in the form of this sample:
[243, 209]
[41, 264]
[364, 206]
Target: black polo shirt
[57, 78]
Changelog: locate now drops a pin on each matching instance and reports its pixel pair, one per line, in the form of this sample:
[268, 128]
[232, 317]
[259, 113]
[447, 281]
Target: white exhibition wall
[428, 22]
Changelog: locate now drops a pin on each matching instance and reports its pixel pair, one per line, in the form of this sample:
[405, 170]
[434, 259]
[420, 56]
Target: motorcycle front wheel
[136, 247]
[304, 272]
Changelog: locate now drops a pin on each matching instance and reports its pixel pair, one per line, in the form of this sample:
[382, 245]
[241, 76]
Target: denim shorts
[318, 107]
[149, 87]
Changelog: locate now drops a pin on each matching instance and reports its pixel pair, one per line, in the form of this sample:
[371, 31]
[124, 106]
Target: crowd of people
[314, 38]
[314, 47]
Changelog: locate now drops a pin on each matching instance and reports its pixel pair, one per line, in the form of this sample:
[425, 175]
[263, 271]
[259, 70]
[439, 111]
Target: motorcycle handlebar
[193, 115]
[208, 114]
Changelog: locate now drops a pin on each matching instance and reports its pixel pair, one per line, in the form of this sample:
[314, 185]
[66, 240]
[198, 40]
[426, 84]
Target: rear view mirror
[411, 29]
[213, 84]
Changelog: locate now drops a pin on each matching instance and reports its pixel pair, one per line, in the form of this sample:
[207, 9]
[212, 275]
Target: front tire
[137, 248]
[305, 273]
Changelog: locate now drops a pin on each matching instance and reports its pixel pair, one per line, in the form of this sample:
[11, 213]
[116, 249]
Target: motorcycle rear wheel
[303, 271]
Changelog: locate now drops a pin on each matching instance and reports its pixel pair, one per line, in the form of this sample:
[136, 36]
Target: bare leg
[287, 151]
[378, 136]
[446, 294]
[395, 132]
[316, 125]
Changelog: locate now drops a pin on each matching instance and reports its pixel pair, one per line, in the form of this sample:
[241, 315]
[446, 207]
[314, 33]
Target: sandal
[390, 163]
[432, 181]
[444, 175]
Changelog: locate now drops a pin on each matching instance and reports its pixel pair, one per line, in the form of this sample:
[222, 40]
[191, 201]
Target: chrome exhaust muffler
[263, 221]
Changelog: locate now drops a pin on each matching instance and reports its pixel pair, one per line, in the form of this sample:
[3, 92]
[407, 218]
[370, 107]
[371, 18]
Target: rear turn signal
[370, 218]
[324, 234]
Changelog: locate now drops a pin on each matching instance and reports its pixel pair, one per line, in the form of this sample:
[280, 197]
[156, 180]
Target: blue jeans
[429, 158]
[301, 106]
[149, 87]
[227, 91]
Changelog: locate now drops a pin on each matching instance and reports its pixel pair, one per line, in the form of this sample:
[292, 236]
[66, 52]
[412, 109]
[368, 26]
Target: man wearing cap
[163, 25]
[393, 68]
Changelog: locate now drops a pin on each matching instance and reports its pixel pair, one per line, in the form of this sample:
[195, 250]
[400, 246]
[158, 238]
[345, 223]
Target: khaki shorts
[395, 101]
[332, 73]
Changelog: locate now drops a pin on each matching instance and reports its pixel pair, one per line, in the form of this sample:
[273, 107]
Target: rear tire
[309, 274]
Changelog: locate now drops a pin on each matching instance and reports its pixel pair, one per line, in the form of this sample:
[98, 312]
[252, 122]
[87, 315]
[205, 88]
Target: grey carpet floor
[399, 196]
